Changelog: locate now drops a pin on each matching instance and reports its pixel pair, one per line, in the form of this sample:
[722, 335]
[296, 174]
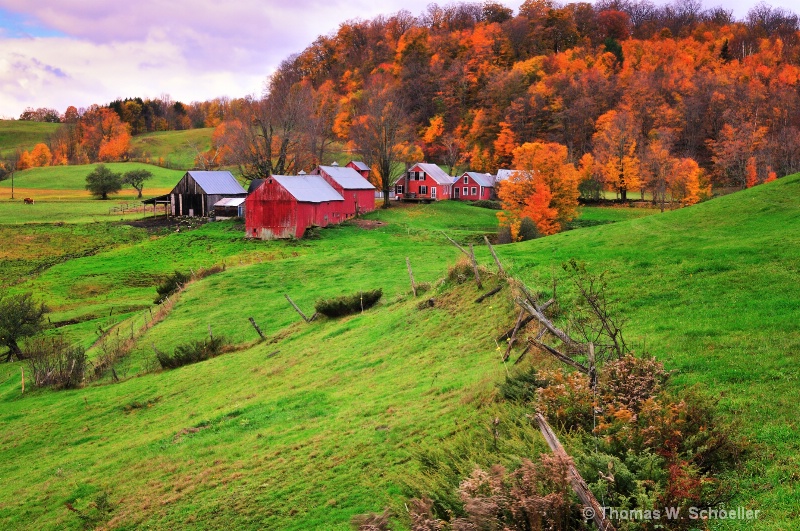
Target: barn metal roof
[360, 165]
[348, 178]
[435, 172]
[481, 179]
[308, 188]
[229, 202]
[217, 182]
[503, 174]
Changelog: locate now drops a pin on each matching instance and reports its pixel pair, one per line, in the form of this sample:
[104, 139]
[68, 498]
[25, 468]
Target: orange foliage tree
[104, 136]
[544, 190]
[615, 143]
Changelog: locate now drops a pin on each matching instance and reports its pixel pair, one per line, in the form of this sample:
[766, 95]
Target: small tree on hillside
[103, 181]
[136, 179]
[20, 317]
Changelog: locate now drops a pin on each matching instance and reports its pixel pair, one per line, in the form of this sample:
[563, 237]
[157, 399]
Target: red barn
[474, 186]
[284, 206]
[358, 193]
[424, 182]
[360, 167]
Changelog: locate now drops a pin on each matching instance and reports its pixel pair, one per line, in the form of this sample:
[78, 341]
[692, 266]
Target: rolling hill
[330, 419]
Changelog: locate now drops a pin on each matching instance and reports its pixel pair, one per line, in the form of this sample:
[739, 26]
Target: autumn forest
[616, 96]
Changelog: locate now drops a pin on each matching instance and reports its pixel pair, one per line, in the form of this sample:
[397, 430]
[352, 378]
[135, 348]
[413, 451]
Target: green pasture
[329, 419]
[23, 135]
[73, 178]
[175, 149]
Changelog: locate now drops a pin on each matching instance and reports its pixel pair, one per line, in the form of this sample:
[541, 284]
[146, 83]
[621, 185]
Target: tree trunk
[13, 351]
[623, 193]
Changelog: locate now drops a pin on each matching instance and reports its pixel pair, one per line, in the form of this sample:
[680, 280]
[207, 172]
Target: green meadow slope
[22, 135]
[326, 420]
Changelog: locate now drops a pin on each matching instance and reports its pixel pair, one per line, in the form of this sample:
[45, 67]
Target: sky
[57, 53]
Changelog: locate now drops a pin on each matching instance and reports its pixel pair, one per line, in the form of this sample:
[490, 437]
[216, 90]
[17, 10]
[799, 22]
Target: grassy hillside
[325, 420]
[22, 135]
[176, 149]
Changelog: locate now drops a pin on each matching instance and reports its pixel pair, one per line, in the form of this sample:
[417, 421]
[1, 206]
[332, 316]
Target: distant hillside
[21, 135]
[172, 149]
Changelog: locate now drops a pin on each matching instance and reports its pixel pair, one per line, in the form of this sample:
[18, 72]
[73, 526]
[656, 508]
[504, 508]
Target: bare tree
[380, 127]
[268, 135]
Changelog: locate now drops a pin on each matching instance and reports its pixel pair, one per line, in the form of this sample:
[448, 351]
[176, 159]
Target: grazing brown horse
[28, 200]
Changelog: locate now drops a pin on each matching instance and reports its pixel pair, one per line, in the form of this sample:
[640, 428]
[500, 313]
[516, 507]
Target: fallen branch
[488, 294]
[533, 308]
[508, 333]
[578, 484]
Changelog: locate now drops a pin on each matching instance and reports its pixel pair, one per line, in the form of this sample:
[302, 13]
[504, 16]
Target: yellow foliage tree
[40, 156]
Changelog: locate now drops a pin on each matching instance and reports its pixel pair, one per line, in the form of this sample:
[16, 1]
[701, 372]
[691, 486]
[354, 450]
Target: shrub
[461, 271]
[55, 363]
[171, 285]
[504, 235]
[528, 230]
[191, 352]
[348, 304]
[491, 205]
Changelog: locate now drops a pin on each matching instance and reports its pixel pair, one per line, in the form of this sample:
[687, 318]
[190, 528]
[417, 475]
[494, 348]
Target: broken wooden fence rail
[494, 255]
[592, 507]
[298, 310]
[253, 322]
[488, 294]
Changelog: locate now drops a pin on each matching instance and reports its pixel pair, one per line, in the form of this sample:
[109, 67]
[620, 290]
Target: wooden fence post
[411, 276]
[253, 322]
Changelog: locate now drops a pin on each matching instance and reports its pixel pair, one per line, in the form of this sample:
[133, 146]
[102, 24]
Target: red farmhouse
[424, 182]
[473, 186]
[358, 193]
[284, 206]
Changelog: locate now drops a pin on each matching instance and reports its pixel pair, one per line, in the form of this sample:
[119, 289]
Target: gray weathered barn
[198, 191]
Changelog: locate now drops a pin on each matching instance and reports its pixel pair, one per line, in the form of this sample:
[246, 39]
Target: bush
[491, 205]
[528, 230]
[171, 285]
[55, 363]
[504, 235]
[348, 304]
[191, 352]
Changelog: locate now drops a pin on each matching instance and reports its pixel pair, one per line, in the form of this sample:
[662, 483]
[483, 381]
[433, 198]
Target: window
[423, 190]
[420, 175]
[433, 192]
[466, 179]
[474, 190]
[466, 191]
[398, 189]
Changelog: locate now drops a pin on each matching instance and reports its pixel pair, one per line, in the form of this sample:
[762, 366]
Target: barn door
[433, 192]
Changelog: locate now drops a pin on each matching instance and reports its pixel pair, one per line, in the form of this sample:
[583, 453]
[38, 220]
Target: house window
[420, 175]
[466, 179]
[474, 190]
[423, 190]
[466, 191]
[433, 192]
[398, 189]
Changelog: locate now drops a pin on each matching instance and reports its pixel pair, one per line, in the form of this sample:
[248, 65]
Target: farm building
[284, 206]
[198, 191]
[360, 167]
[424, 182]
[358, 193]
[473, 186]
[230, 207]
[504, 174]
